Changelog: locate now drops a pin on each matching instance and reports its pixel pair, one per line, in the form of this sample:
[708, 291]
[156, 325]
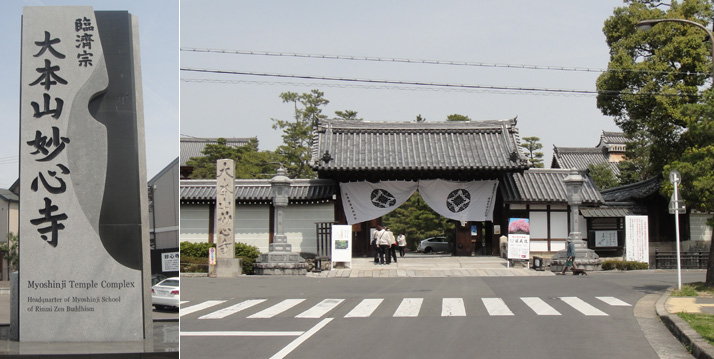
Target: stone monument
[227, 265]
[280, 259]
[84, 244]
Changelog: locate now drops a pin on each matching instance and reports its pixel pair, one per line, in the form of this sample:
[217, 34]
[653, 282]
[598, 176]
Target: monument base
[280, 263]
[228, 267]
[585, 258]
[280, 268]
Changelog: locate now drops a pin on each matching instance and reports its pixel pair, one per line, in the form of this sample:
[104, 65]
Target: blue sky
[517, 32]
[159, 39]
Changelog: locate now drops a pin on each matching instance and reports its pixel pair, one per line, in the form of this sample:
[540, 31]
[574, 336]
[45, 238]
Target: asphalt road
[484, 317]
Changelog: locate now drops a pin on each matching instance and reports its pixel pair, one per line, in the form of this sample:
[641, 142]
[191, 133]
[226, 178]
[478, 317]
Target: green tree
[417, 221]
[532, 145]
[249, 162]
[457, 117]
[696, 165]
[348, 115]
[10, 250]
[652, 75]
[297, 134]
[652, 89]
[602, 175]
[420, 119]
[635, 167]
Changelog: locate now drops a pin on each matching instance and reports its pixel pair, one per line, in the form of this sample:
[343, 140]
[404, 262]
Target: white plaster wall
[698, 227]
[557, 246]
[251, 225]
[539, 225]
[194, 223]
[539, 246]
[558, 225]
[300, 224]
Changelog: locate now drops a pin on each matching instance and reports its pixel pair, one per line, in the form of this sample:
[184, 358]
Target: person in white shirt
[402, 243]
[383, 242]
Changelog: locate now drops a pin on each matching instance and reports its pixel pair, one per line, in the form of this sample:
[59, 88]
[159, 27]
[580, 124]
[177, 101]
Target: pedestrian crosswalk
[263, 308]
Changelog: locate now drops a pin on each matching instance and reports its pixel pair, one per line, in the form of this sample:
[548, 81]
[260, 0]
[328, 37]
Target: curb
[700, 348]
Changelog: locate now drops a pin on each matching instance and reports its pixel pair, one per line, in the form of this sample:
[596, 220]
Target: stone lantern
[280, 259]
[280, 191]
[573, 187]
[584, 257]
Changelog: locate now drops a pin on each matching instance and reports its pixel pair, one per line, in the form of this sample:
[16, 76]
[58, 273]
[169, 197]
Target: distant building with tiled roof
[540, 185]
[610, 150]
[194, 146]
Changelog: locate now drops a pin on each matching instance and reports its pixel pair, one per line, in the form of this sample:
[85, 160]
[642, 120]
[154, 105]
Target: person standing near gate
[402, 243]
[384, 242]
[392, 245]
[375, 244]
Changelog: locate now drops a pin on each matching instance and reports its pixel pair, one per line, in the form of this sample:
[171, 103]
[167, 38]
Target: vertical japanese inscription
[225, 208]
[51, 217]
[48, 143]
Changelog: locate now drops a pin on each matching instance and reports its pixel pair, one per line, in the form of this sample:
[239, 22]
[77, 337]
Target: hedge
[623, 265]
[194, 256]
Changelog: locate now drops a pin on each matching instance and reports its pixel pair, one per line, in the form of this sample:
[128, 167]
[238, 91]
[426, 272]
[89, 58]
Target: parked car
[166, 293]
[434, 244]
[156, 278]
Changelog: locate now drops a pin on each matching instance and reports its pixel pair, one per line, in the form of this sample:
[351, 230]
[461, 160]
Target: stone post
[226, 264]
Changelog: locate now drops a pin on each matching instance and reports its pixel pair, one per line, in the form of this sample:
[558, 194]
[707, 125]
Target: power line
[414, 84]
[371, 87]
[422, 61]
[392, 82]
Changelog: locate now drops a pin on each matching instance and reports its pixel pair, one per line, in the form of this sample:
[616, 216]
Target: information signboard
[341, 243]
[605, 238]
[170, 261]
[519, 238]
[637, 239]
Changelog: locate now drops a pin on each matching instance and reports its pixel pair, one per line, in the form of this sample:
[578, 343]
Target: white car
[434, 244]
[166, 293]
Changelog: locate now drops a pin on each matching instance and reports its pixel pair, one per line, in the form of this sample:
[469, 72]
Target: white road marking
[241, 334]
[539, 306]
[453, 307]
[277, 309]
[583, 307]
[409, 307]
[496, 306]
[200, 306]
[232, 309]
[301, 339]
[365, 308]
[320, 309]
[614, 301]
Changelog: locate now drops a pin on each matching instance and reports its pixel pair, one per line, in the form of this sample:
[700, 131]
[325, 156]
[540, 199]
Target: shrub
[194, 265]
[249, 254]
[194, 256]
[195, 250]
[623, 265]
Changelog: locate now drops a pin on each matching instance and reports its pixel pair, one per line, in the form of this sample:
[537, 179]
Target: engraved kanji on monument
[83, 264]
[226, 263]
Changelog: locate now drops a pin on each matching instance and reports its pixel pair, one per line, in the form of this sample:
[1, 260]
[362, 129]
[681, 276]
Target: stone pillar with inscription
[280, 259]
[227, 265]
[84, 271]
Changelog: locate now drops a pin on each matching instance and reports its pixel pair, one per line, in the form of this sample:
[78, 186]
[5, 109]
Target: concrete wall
[164, 218]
